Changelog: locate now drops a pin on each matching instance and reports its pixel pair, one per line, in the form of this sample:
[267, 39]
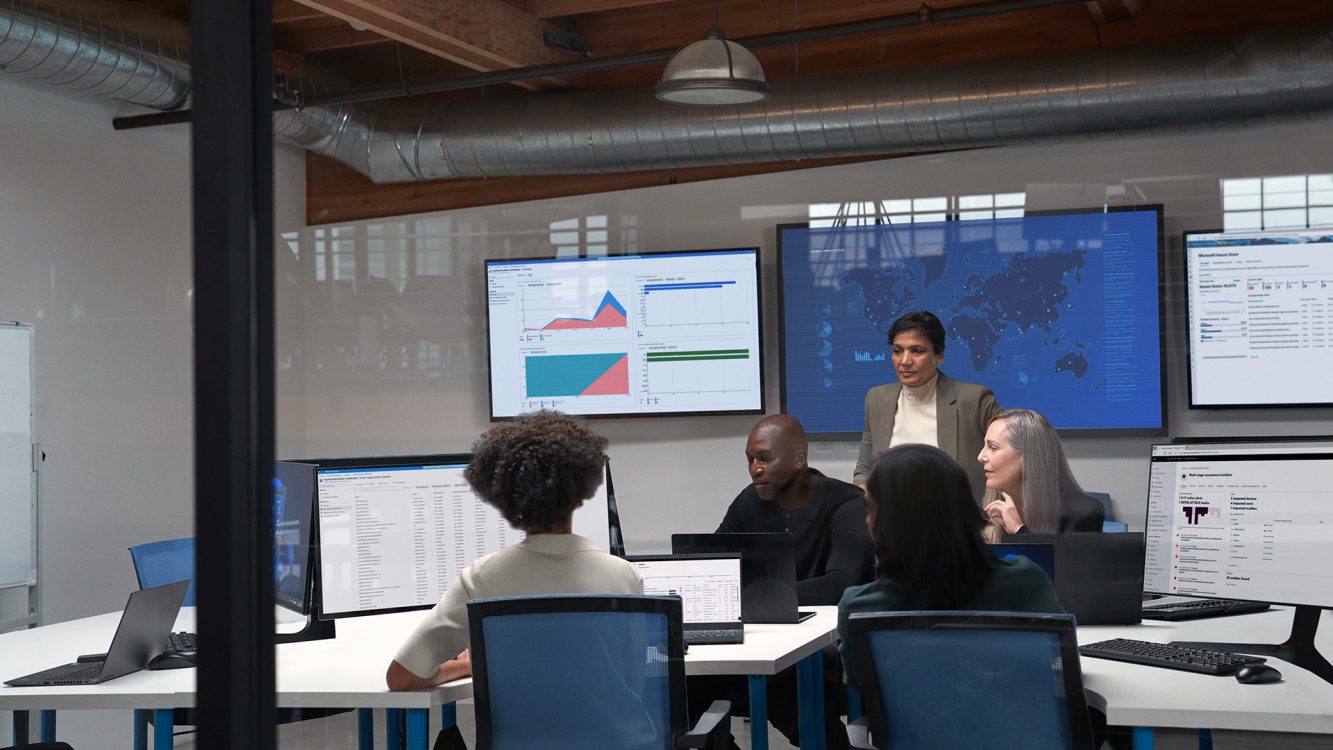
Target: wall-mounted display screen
[1260, 317]
[660, 333]
[1058, 313]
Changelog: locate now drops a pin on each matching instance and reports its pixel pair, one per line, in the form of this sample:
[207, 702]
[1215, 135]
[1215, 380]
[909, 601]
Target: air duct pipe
[1283, 72]
[114, 51]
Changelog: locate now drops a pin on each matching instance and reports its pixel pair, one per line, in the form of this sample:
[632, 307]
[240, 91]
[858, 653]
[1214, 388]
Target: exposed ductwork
[117, 52]
[1276, 72]
[1280, 72]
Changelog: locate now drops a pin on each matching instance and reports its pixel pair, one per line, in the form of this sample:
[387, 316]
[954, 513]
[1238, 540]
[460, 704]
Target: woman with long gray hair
[1029, 487]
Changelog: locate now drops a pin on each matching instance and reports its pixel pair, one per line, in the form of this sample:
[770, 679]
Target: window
[1279, 202]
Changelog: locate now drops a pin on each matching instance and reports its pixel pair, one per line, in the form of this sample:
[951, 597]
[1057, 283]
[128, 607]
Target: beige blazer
[963, 411]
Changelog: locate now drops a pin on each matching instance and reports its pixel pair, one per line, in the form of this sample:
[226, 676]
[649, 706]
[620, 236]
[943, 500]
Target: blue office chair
[165, 561]
[1114, 527]
[584, 671]
[969, 679]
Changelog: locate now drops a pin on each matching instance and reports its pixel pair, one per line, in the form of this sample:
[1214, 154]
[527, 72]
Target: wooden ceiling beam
[1109, 11]
[324, 38]
[562, 8]
[481, 35]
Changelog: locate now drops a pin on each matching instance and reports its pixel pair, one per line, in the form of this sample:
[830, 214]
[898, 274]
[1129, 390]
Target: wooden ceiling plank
[1110, 11]
[482, 35]
[307, 41]
[562, 8]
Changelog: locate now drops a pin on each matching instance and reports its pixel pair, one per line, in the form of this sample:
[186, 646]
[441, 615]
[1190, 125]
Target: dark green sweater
[1016, 585]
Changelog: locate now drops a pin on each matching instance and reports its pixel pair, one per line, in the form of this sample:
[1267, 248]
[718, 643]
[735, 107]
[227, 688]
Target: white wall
[676, 474]
[95, 251]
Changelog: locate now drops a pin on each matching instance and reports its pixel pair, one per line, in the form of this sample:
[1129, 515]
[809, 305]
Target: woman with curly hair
[536, 470]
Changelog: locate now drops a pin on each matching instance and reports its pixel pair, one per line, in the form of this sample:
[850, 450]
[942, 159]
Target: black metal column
[231, 60]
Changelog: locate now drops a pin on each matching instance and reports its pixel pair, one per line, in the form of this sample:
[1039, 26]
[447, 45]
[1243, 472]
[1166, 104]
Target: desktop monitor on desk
[295, 540]
[394, 532]
[1245, 520]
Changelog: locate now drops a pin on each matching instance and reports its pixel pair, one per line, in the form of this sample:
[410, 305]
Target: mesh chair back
[165, 561]
[555, 672]
[975, 680]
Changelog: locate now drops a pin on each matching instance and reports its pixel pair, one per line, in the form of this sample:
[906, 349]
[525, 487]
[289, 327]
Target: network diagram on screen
[635, 334]
[1057, 313]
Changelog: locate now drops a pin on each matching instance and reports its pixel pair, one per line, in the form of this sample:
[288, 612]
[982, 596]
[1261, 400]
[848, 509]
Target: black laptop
[709, 587]
[768, 571]
[1098, 577]
[147, 621]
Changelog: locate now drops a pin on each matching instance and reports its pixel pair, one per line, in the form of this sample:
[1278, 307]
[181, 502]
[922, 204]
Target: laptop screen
[709, 587]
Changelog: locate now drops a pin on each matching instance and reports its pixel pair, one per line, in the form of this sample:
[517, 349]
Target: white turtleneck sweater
[915, 421]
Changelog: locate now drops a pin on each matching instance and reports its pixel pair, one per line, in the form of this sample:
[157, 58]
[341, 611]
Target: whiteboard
[18, 478]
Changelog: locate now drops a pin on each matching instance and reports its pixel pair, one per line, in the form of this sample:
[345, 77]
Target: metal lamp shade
[713, 71]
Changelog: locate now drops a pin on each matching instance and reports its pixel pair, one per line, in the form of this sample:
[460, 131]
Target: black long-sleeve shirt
[833, 547]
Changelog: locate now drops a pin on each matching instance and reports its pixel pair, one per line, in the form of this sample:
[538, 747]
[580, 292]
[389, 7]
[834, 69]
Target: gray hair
[1046, 474]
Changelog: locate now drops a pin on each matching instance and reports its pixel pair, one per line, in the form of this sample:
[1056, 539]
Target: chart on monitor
[661, 333]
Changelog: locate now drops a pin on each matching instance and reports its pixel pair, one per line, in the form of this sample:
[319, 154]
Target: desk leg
[418, 727]
[365, 729]
[810, 698]
[448, 715]
[163, 729]
[853, 705]
[1144, 738]
[21, 727]
[758, 712]
[1205, 739]
[48, 726]
[393, 728]
[140, 729]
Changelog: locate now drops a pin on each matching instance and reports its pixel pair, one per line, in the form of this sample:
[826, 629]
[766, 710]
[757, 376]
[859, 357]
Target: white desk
[348, 672]
[1146, 697]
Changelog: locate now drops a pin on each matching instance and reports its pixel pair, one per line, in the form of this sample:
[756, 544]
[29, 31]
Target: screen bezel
[758, 316]
[1189, 331]
[1163, 394]
[1179, 441]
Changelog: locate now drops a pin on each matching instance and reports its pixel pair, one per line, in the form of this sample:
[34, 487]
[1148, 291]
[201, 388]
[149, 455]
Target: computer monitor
[655, 334]
[395, 532]
[293, 523]
[1245, 520]
[1257, 302]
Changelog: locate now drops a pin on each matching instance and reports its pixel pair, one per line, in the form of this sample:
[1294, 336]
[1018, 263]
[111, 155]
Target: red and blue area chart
[610, 314]
[564, 375]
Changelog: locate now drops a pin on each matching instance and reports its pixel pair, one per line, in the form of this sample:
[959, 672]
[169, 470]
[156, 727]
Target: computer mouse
[1257, 674]
[172, 660]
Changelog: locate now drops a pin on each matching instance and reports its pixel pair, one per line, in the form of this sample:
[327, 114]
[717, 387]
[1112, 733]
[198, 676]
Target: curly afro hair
[537, 468]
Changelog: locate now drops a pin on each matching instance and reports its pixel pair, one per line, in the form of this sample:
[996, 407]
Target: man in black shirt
[827, 518]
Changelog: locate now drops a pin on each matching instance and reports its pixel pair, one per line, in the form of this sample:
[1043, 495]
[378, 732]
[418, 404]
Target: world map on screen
[1053, 313]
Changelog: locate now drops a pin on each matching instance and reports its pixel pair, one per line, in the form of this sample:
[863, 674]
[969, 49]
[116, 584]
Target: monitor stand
[1298, 648]
[315, 630]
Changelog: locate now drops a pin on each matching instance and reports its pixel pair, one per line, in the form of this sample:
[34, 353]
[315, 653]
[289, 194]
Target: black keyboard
[1166, 655]
[1198, 608]
[704, 637]
[181, 641]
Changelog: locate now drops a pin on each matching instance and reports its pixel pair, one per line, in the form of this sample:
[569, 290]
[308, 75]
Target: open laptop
[709, 587]
[148, 618]
[768, 571]
[1098, 577]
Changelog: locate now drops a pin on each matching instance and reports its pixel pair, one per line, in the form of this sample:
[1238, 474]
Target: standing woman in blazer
[1028, 481]
[925, 405]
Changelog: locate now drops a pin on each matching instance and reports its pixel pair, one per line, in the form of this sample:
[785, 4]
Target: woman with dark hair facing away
[927, 533]
[536, 470]
[925, 405]
[1029, 487]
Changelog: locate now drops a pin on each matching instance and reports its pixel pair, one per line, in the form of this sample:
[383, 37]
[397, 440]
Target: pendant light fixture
[713, 71]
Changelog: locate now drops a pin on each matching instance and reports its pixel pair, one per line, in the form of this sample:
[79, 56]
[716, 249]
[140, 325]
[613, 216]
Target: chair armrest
[718, 716]
[858, 734]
